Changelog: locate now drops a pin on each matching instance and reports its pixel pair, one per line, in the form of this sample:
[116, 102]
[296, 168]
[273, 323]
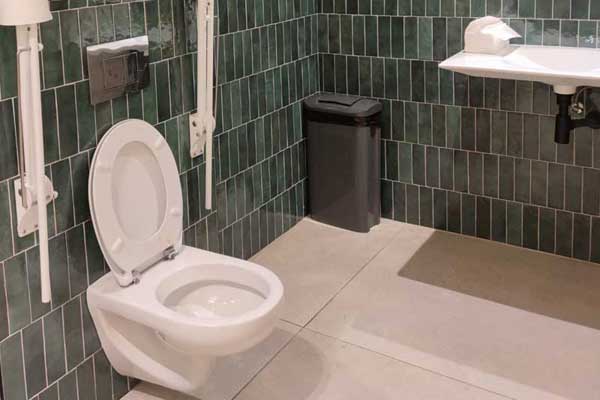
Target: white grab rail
[202, 123]
[34, 190]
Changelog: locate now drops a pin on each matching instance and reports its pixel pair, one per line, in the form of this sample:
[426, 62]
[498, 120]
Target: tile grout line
[406, 362]
[335, 295]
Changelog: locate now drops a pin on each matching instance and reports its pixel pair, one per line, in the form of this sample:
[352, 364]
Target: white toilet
[167, 310]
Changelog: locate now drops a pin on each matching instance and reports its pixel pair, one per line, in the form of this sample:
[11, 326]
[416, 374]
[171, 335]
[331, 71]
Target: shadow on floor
[552, 286]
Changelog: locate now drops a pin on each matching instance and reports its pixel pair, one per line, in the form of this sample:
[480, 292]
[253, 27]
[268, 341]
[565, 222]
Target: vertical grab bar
[22, 167]
[203, 121]
[36, 140]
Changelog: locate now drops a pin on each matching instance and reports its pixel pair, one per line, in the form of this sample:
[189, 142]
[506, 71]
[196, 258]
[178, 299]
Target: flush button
[117, 68]
[115, 72]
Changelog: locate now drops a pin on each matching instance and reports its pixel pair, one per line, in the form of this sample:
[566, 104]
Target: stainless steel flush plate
[117, 68]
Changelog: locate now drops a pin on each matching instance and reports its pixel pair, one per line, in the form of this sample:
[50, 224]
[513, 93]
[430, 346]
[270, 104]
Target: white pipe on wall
[25, 15]
[39, 173]
[202, 123]
[210, 118]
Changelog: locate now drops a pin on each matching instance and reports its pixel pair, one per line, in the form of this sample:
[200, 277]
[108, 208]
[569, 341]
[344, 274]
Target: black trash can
[343, 160]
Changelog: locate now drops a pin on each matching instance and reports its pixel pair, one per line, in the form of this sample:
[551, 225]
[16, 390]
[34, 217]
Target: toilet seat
[135, 199]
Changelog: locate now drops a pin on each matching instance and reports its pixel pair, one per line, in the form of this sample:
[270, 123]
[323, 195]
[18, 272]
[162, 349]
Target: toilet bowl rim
[140, 302]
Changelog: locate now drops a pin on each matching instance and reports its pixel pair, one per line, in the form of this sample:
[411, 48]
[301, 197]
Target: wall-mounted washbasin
[565, 68]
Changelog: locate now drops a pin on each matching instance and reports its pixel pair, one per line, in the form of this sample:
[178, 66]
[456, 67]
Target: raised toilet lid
[135, 198]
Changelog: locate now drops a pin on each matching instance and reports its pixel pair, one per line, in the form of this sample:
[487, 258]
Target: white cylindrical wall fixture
[24, 12]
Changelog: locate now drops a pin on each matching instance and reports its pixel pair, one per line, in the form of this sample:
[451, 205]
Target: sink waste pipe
[565, 124]
[33, 190]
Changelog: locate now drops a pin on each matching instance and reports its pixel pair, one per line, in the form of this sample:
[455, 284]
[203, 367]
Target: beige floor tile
[317, 367]
[231, 373]
[314, 261]
[505, 349]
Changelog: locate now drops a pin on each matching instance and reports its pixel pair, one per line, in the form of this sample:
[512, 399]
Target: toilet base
[149, 359]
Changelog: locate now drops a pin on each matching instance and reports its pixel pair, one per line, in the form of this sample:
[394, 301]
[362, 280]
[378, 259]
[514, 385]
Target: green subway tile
[534, 30]
[175, 86]
[163, 87]
[8, 60]
[580, 9]
[581, 236]
[591, 191]
[138, 24]
[507, 178]
[384, 38]
[102, 374]
[568, 33]
[432, 166]
[412, 204]
[12, 368]
[468, 214]
[527, 8]
[498, 220]
[85, 380]
[371, 36]
[59, 270]
[425, 38]
[121, 21]
[17, 292]
[86, 123]
[33, 356]
[61, 178]
[67, 386]
[475, 173]
[564, 233]
[551, 35]
[52, 54]
[588, 34]
[4, 316]
[76, 260]
[119, 109]
[8, 158]
[539, 182]
[89, 32]
[106, 25]
[71, 45]
[54, 345]
[531, 227]
[418, 164]
[447, 8]
[556, 185]
[154, 30]
[50, 393]
[411, 38]
[67, 120]
[547, 228]
[484, 218]
[514, 223]
[165, 13]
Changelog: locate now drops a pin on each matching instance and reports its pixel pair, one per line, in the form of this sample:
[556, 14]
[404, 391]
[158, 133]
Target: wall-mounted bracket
[27, 217]
[197, 135]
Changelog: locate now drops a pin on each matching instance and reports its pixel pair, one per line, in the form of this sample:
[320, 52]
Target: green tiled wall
[268, 64]
[470, 155]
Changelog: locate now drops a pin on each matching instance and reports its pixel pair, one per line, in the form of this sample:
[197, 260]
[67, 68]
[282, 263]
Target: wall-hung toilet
[167, 310]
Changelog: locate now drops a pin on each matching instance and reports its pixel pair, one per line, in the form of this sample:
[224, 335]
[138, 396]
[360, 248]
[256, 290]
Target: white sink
[565, 68]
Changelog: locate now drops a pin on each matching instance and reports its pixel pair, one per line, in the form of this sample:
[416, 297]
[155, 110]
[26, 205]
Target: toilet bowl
[167, 310]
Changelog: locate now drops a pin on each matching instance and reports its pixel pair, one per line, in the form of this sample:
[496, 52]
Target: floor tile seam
[350, 280]
[287, 343]
[390, 357]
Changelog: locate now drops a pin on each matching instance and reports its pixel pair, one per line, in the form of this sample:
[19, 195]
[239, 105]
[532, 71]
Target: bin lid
[343, 105]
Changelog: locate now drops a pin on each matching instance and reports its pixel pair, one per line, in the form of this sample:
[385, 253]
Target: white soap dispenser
[488, 35]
